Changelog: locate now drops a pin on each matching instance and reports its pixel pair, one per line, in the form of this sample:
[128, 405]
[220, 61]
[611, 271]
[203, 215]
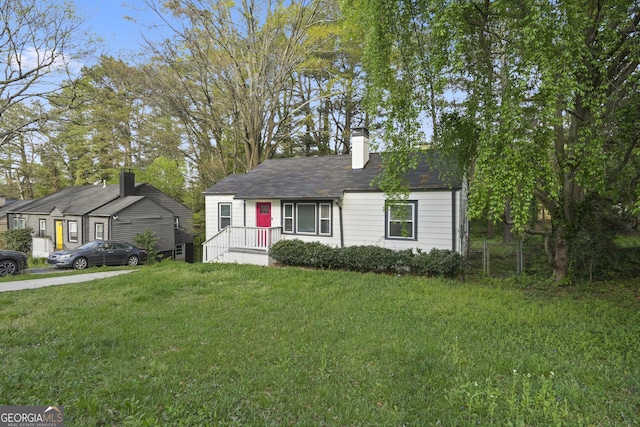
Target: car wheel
[80, 263]
[8, 267]
[133, 260]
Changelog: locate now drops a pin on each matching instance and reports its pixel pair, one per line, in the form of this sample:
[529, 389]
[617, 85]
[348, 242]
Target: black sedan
[97, 253]
[12, 262]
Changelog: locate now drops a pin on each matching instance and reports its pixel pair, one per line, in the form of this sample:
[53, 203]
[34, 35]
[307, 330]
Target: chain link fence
[504, 259]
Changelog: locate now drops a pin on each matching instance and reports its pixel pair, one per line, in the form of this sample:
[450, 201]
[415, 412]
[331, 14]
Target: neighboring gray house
[80, 214]
[5, 206]
[330, 199]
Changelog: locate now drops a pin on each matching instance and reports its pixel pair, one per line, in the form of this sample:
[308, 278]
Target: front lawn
[194, 345]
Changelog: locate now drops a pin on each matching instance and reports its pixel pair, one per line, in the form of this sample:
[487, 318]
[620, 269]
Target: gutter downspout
[339, 205]
[454, 217]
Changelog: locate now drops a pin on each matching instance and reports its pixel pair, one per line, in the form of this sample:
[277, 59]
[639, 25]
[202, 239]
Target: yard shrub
[18, 239]
[367, 258]
[289, 252]
[147, 240]
[437, 262]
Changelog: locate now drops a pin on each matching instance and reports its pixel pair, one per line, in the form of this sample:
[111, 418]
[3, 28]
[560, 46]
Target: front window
[307, 218]
[288, 218]
[99, 231]
[325, 218]
[401, 220]
[224, 215]
[73, 231]
[19, 223]
[42, 228]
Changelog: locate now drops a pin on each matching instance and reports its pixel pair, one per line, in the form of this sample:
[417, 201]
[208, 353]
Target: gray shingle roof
[77, 200]
[116, 206]
[324, 177]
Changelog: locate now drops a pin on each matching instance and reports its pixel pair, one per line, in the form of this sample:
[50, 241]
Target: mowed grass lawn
[196, 345]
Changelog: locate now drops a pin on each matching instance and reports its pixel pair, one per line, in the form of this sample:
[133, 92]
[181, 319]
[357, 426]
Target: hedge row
[436, 262]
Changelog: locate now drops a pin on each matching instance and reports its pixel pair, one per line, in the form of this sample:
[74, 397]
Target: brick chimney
[127, 183]
[359, 147]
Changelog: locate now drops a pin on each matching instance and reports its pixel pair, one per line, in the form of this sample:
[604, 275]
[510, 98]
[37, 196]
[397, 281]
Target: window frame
[315, 218]
[322, 219]
[42, 227]
[388, 220]
[221, 217]
[95, 231]
[19, 223]
[288, 228]
[69, 235]
[291, 217]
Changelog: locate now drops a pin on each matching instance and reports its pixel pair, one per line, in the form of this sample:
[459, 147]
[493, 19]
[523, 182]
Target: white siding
[211, 213]
[364, 220]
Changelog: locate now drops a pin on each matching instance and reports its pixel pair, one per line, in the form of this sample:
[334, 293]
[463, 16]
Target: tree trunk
[560, 261]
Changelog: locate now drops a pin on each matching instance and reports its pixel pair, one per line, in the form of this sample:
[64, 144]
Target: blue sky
[114, 21]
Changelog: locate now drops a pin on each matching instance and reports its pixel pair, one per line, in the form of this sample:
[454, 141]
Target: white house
[330, 199]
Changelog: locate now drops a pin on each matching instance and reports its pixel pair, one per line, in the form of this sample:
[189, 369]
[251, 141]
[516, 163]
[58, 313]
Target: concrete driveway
[19, 285]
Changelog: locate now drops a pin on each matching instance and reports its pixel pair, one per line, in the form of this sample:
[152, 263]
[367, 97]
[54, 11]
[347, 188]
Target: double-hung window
[287, 220]
[42, 227]
[99, 232]
[401, 220]
[72, 228]
[19, 223]
[312, 218]
[224, 215]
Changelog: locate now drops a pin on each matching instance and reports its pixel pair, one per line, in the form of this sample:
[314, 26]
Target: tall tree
[547, 83]
[243, 56]
[39, 46]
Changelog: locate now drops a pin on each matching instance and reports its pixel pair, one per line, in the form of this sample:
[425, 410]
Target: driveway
[19, 285]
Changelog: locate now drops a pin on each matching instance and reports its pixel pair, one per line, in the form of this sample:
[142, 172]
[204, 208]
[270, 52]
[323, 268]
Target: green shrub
[364, 259]
[147, 240]
[289, 252]
[437, 262]
[369, 258]
[18, 239]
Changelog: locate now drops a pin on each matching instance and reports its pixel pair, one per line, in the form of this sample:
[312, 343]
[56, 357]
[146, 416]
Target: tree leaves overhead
[39, 47]
[546, 82]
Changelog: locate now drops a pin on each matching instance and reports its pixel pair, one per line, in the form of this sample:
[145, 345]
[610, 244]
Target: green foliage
[147, 240]
[375, 259]
[545, 101]
[18, 239]
[167, 175]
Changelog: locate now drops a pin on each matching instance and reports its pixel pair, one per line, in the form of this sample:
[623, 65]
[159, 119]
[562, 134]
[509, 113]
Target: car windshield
[90, 246]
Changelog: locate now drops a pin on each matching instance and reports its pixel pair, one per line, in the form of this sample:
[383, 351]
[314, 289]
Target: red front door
[263, 219]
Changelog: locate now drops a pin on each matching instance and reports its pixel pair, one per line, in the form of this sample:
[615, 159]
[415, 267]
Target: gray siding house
[80, 214]
[332, 200]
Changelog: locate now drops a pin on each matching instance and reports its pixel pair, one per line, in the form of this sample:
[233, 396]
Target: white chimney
[359, 147]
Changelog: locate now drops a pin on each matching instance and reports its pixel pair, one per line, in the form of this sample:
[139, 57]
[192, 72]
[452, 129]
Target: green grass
[176, 344]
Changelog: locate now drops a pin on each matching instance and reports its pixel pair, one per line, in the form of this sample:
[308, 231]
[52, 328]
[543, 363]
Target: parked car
[97, 253]
[12, 262]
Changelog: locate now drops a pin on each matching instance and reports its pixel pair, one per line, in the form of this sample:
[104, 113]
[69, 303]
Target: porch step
[249, 251]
